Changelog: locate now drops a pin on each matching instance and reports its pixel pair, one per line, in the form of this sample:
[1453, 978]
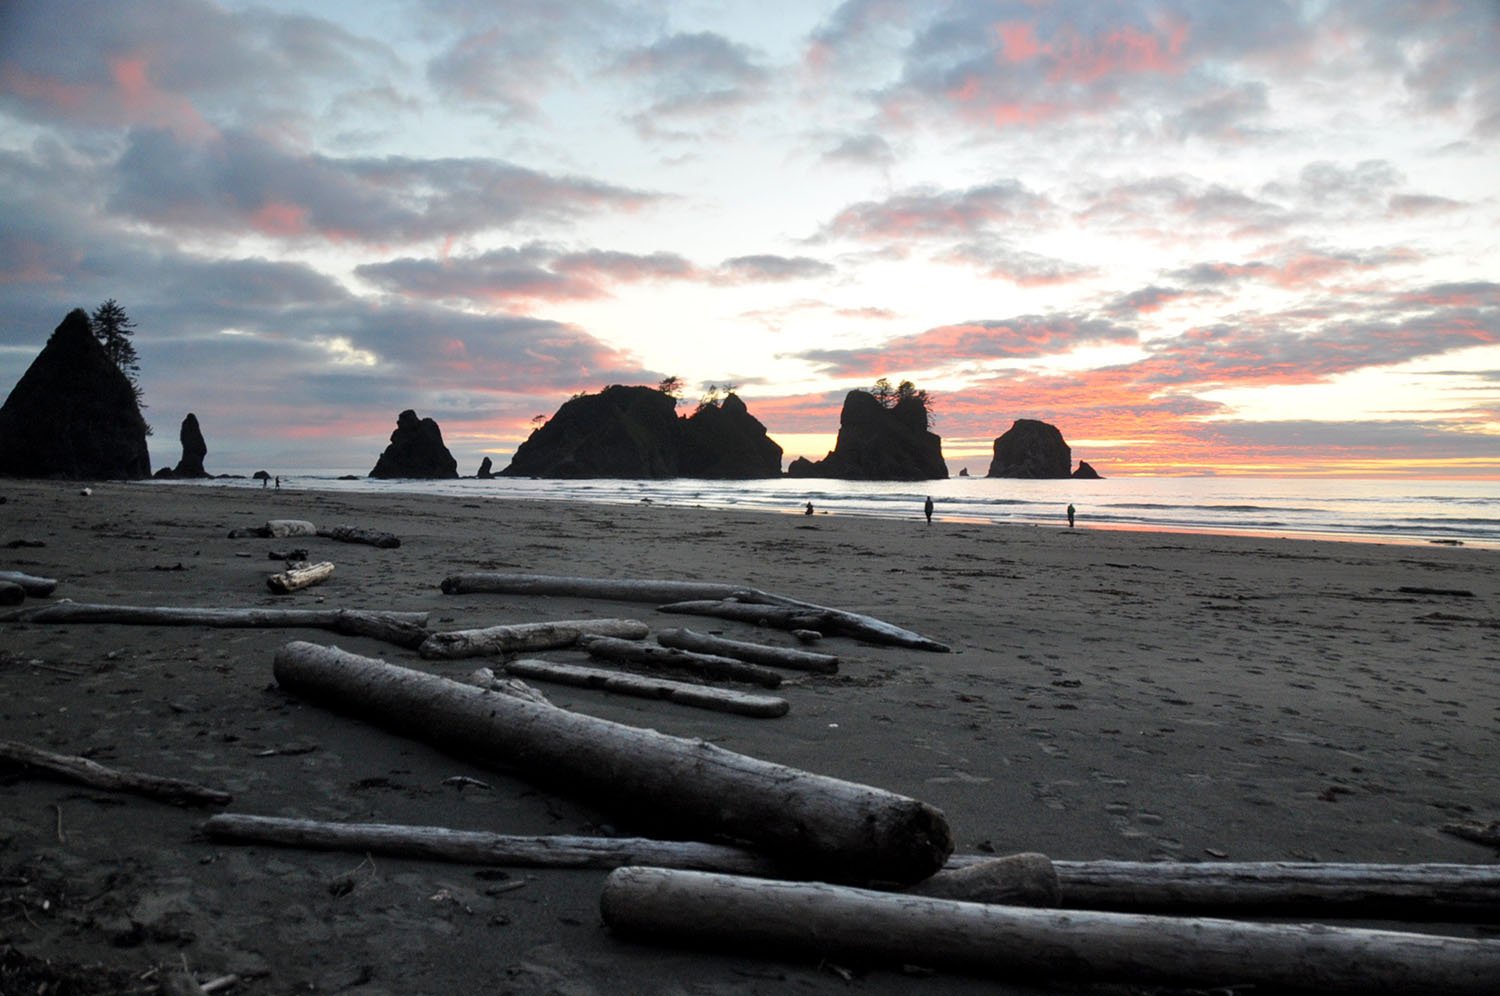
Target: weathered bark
[526, 637]
[81, 769]
[1012, 880]
[295, 578]
[369, 537]
[848, 831]
[755, 653]
[277, 529]
[489, 681]
[1396, 891]
[480, 848]
[405, 629]
[645, 687]
[11, 593]
[705, 665]
[846, 924]
[776, 616]
[34, 587]
[650, 590]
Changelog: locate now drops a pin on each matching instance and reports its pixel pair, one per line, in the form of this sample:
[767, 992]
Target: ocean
[1401, 511]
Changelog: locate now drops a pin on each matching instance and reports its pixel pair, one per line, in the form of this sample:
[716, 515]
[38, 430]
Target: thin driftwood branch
[816, 920]
[755, 653]
[405, 629]
[482, 848]
[846, 830]
[526, 637]
[704, 665]
[81, 769]
[643, 687]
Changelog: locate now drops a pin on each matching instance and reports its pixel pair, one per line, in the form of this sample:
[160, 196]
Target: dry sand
[1111, 695]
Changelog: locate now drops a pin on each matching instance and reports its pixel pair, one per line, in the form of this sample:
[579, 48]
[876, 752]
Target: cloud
[1232, 115]
[950, 346]
[523, 276]
[866, 149]
[690, 76]
[1146, 300]
[940, 214]
[239, 181]
[1293, 265]
[770, 268]
[1026, 269]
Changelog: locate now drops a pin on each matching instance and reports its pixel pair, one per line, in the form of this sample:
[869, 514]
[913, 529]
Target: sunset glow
[1228, 239]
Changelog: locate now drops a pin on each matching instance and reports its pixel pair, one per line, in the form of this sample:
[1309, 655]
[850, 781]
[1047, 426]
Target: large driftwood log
[1012, 880]
[405, 629]
[354, 534]
[755, 653]
[34, 587]
[81, 769]
[841, 923]
[296, 578]
[652, 590]
[705, 665]
[1398, 891]
[481, 848]
[11, 594]
[848, 831]
[526, 637]
[644, 687]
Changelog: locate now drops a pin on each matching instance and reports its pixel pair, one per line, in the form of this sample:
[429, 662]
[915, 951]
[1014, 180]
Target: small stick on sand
[81, 769]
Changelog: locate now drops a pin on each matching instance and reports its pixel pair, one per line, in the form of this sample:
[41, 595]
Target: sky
[1198, 237]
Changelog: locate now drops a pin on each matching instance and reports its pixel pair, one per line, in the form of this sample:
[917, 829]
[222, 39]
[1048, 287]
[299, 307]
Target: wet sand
[1126, 695]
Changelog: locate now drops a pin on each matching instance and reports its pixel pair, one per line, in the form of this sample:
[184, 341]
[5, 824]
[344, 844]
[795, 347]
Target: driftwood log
[651, 590]
[295, 578]
[848, 831]
[11, 593]
[1347, 890]
[34, 586]
[81, 769]
[369, 537]
[786, 617]
[1012, 880]
[755, 653]
[481, 848]
[704, 665]
[405, 629]
[1476, 831]
[844, 924]
[526, 637]
[642, 687]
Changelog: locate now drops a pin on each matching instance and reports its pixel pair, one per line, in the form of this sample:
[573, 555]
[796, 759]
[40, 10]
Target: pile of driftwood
[830, 869]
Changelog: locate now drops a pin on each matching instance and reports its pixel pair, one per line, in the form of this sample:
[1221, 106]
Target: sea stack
[876, 443]
[73, 414]
[194, 449]
[416, 451]
[1031, 449]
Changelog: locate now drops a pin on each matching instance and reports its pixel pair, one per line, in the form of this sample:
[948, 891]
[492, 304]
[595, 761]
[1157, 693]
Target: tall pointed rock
[73, 414]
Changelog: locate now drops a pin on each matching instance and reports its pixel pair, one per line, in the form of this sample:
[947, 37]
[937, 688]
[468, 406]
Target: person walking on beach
[927, 510]
[1070, 516]
[808, 510]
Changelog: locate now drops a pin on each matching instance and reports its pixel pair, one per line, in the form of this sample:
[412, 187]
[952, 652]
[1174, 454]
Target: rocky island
[635, 432]
[883, 436]
[1035, 450]
[416, 451]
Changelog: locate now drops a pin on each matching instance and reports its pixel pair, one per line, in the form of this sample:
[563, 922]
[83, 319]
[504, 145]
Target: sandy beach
[1126, 695]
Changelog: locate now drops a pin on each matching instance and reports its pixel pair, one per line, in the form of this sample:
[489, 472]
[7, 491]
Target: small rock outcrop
[634, 432]
[416, 451]
[1031, 449]
[194, 449]
[725, 442]
[73, 414]
[876, 443]
[1086, 473]
[486, 469]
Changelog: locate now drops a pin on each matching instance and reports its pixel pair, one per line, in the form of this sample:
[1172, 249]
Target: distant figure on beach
[265, 482]
[927, 510]
[808, 510]
[278, 482]
[1070, 516]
